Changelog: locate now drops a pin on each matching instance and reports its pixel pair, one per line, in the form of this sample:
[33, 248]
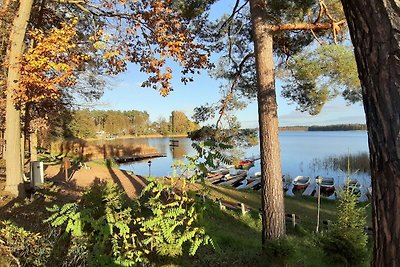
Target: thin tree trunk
[273, 211]
[33, 139]
[375, 32]
[14, 182]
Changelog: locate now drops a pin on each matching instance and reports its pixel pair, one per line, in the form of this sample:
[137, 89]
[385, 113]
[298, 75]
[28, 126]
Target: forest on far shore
[98, 123]
[334, 127]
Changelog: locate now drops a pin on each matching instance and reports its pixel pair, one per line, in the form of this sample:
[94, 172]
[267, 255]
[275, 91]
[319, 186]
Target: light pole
[149, 162]
[318, 180]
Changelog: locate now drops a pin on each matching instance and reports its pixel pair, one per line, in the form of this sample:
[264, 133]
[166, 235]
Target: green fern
[123, 232]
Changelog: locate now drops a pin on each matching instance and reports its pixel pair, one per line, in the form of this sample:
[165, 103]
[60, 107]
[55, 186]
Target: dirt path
[84, 177]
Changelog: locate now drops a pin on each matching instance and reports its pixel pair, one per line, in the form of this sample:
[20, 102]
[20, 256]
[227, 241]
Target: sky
[125, 93]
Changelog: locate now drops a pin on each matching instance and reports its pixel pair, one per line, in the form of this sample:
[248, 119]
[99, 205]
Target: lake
[299, 151]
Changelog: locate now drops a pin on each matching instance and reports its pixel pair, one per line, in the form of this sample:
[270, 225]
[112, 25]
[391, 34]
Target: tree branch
[305, 26]
[234, 11]
[234, 84]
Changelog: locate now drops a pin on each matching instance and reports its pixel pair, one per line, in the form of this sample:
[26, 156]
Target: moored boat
[327, 184]
[286, 181]
[217, 172]
[301, 182]
[234, 179]
[353, 185]
[250, 182]
[216, 178]
[245, 164]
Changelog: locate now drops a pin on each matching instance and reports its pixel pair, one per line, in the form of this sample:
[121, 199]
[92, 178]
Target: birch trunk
[14, 169]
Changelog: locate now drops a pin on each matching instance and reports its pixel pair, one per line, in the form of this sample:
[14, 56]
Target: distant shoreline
[334, 127]
[139, 136]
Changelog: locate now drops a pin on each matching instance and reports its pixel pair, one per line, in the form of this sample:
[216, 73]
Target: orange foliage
[148, 33]
[151, 34]
[50, 64]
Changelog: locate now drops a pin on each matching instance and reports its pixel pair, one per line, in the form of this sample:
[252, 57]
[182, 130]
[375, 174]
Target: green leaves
[123, 232]
[321, 75]
[346, 241]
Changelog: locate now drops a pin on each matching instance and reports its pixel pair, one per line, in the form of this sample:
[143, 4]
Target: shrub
[31, 249]
[281, 248]
[346, 242]
[122, 232]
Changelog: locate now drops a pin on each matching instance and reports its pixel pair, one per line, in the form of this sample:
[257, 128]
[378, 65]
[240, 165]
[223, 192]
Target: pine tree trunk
[375, 32]
[14, 182]
[273, 211]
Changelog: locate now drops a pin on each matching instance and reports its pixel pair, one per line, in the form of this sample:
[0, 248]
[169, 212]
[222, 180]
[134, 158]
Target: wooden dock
[139, 157]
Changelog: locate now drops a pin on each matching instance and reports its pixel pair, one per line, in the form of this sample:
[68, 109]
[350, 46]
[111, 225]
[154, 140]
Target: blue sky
[124, 93]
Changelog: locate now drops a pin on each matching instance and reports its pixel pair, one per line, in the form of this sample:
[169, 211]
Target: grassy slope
[238, 238]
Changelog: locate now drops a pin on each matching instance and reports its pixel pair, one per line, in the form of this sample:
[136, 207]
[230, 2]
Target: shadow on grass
[30, 213]
[131, 184]
[239, 196]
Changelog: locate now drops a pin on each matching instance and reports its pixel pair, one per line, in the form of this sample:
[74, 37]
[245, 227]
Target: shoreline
[136, 137]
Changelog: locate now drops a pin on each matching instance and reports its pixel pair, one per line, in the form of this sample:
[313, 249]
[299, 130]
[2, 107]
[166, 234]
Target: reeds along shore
[359, 161]
[89, 150]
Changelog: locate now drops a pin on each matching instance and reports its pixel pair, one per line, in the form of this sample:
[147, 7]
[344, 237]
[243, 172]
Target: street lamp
[318, 180]
[149, 162]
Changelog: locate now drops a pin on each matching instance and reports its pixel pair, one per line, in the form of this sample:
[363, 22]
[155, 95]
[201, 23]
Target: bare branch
[233, 86]
[305, 26]
[235, 10]
[315, 36]
[321, 10]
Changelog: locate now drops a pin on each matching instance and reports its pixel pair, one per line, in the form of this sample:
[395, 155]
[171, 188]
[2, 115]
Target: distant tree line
[335, 127]
[91, 123]
[339, 127]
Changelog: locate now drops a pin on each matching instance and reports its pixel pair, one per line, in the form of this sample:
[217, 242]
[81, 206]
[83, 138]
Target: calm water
[298, 149]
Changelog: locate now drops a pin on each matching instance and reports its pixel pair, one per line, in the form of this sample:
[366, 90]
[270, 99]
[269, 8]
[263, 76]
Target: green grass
[238, 237]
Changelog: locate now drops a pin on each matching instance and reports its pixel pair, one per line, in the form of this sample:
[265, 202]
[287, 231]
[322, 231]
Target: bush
[281, 248]
[118, 231]
[31, 249]
[346, 242]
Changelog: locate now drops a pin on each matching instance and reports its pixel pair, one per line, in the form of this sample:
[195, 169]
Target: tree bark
[14, 169]
[375, 32]
[273, 211]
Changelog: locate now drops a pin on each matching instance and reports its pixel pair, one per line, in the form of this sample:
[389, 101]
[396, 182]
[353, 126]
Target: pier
[139, 157]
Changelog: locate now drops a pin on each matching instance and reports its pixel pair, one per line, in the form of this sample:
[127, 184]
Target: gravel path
[83, 177]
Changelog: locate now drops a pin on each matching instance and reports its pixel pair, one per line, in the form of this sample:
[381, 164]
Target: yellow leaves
[99, 45]
[111, 54]
[50, 64]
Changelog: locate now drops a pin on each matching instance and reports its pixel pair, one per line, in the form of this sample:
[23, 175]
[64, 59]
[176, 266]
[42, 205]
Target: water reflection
[179, 150]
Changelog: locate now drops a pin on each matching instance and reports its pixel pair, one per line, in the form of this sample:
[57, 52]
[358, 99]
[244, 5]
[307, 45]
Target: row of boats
[238, 178]
[326, 184]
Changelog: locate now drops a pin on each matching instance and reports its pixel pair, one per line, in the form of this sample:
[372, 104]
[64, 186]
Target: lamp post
[149, 162]
[318, 180]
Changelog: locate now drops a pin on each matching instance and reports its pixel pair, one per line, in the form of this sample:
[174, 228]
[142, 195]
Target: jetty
[139, 157]
[173, 142]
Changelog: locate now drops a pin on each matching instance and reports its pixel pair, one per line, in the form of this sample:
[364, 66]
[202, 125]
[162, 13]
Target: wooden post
[242, 206]
[221, 207]
[319, 203]
[294, 220]
[67, 165]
